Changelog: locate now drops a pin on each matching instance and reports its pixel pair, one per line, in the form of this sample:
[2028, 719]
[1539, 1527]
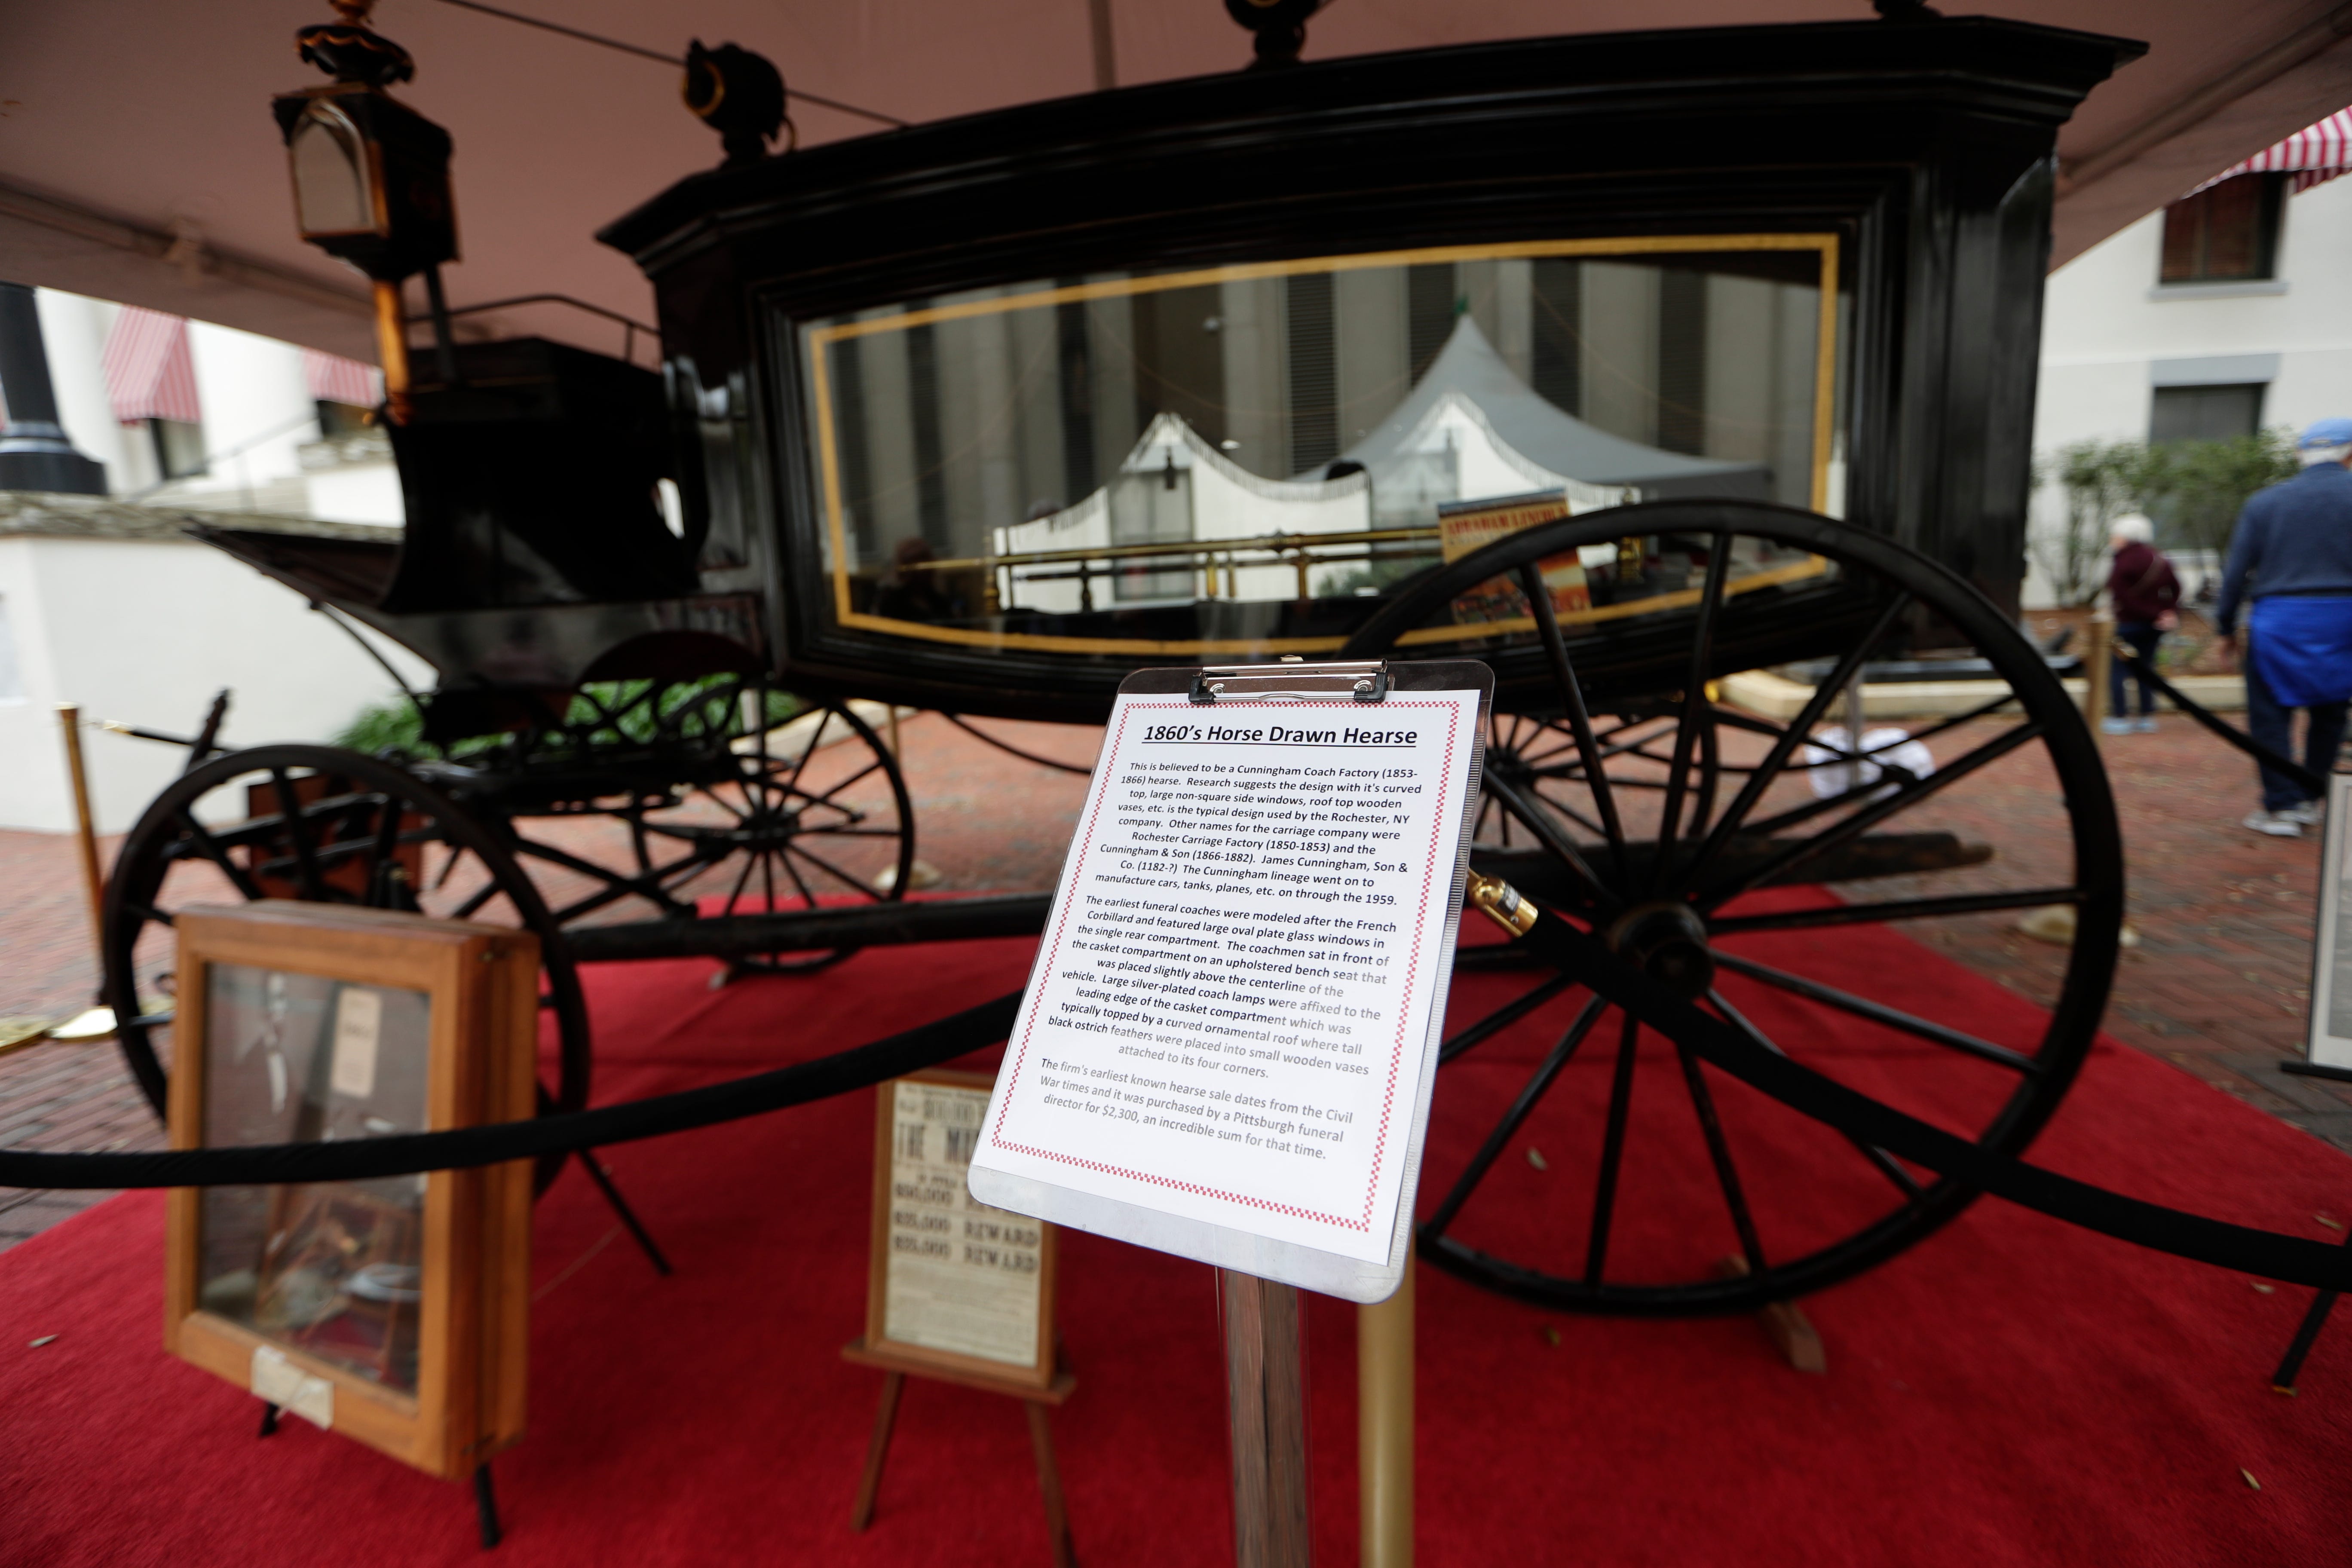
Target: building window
[2205, 412]
[2225, 233]
[179, 448]
[339, 419]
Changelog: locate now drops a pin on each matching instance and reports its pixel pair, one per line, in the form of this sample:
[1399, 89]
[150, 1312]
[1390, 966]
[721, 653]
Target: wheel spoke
[1878, 1013]
[826, 798]
[808, 894]
[743, 880]
[1612, 1150]
[1535, 820]
[1904, 797]
[306, 864]
[1502, 1018]
[211, 850]
[1719, 1153]
[817, 739]
[1815, 706]
[377, 881]
[1565, 809]
[1887, 1165]
[1670, 823]
[793, 847]
[1580, 722]
[1895, 909]
[1530, 1095]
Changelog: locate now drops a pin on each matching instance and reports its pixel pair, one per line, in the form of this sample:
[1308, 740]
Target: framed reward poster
[395, 1311]
[959, 1289]
[1227, 1044]
[2330, 1043]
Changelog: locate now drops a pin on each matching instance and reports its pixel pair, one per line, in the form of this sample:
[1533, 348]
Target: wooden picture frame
[889, 1344]
[395, 1311]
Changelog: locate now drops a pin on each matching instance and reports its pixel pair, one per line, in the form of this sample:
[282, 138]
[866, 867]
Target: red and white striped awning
[334, 379]
[2313, 155]
[150, 373]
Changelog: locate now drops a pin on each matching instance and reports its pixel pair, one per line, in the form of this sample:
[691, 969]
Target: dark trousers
[2141, 637]
[2272, 724]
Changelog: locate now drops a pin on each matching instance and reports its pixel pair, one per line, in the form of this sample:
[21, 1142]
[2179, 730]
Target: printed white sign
[961, 1276]
[1229, 1017]
[359, 1029]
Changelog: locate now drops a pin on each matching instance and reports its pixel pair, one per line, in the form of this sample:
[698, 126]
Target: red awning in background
[2313, 155]
[334, 379]
[150, 373]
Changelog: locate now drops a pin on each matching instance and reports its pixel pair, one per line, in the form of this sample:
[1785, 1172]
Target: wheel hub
[1667, 940]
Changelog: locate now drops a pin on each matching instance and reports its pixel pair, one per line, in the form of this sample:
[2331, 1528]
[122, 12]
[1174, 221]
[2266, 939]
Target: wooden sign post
[957, 1290]
[1266, 1394]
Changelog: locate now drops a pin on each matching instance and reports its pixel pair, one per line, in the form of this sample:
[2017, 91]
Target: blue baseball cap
[2325, 433]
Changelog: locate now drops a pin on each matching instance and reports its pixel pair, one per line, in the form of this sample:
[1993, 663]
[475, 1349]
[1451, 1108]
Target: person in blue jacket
[2292, 556]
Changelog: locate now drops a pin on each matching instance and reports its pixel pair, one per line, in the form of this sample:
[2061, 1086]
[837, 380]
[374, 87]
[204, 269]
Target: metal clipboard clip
[1364, 680]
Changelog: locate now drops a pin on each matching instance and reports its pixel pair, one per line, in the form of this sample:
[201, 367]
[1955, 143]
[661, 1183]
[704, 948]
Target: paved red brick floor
[2217, 984]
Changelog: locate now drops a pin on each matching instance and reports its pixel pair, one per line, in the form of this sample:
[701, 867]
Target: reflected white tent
[1471, 428]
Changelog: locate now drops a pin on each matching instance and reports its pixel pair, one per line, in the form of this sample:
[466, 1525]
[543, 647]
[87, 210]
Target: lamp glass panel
[330, 179]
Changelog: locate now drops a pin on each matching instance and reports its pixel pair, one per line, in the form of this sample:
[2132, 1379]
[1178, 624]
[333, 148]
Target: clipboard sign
[1230, 1035]
[2329, 1042]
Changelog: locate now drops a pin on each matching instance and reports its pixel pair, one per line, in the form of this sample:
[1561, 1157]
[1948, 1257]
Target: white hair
[2133, 528]
[2312, 456]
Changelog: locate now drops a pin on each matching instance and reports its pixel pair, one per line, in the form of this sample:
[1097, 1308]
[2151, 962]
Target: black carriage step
[806, 931]
[1539, 874]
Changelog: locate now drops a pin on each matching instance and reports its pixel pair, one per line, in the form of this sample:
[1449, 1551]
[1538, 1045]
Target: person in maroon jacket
[2144, 591]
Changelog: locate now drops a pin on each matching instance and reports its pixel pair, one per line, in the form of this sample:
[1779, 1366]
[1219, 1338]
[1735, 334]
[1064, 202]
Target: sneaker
[2278, 824]
[2117, 727]
[2144, 724]
[2310, 813]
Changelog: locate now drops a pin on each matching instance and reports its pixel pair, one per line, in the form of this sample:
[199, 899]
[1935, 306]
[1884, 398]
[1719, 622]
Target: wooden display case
[395, 1311]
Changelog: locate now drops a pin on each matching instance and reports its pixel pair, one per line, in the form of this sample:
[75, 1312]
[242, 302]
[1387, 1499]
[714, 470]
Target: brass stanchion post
[2097, 660]
[93, 885]
[1384, 1427]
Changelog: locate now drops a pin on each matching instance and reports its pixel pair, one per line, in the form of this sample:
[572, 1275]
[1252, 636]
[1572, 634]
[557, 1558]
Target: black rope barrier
[405, 1154]
[2144, 670]
[1575, 954]
[1012, 750]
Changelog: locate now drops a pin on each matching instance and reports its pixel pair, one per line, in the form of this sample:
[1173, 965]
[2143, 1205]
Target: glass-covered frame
[393, 1309]
[1144, 572]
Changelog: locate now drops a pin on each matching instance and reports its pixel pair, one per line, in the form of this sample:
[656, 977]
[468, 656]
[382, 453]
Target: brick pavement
[2217, 985]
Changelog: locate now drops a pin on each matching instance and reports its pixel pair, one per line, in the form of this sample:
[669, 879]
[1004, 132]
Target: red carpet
[2009, 1393]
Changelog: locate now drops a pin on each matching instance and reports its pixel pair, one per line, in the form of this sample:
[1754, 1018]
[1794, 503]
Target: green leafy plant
[2198, 487]
[2194, 490]
[603, 714]
[2101, 480]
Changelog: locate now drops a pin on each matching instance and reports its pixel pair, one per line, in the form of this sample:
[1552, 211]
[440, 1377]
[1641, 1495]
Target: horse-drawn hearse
[1684, 378]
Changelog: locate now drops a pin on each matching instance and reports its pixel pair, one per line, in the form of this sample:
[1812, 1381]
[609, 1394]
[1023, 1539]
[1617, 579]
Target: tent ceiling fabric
[138, 160]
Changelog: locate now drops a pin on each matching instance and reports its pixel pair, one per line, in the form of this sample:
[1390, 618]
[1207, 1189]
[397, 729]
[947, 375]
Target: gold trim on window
[818, 339]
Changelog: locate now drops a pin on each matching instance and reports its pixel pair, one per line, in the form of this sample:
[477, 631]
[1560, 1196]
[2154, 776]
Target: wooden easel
[923, 1212]
[1037, 1401]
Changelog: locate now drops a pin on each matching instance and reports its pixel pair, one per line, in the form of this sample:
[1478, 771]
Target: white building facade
[2225, 313]
[107, 604]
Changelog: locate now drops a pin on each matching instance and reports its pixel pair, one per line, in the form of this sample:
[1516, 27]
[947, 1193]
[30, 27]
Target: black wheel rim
[1608, 729]
[323, 825]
